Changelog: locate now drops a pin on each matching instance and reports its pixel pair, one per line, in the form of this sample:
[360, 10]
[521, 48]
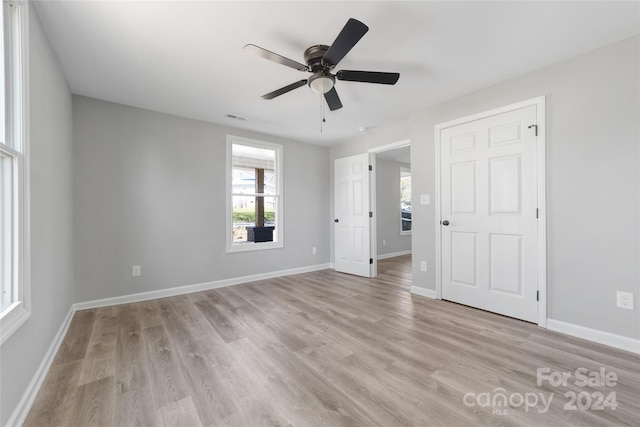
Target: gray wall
[593, 182]
[150, 190]
[51, 221]
[388, 208]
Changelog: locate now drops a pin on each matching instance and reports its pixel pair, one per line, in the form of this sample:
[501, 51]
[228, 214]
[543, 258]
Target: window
[14, 253]
[405, 201]
[7, 162]
[254, 184]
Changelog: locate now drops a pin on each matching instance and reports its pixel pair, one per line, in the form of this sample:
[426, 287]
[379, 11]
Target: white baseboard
[29, 396]
[429, 293]
[394, 254]
[601, 337]
[187, 289]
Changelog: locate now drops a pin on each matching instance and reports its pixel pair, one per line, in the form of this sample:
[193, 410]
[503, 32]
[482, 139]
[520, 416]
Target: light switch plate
[425, 199]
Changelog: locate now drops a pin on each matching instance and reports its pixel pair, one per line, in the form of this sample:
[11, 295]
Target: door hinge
[537, 295]
[535, 127]
[370, 214]
[370, 260]
[537, 213]
[370, 167]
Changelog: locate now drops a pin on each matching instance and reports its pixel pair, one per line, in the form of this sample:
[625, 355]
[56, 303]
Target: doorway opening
[392, 206]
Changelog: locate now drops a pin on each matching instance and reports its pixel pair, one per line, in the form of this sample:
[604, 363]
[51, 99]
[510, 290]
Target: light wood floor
[318, 349]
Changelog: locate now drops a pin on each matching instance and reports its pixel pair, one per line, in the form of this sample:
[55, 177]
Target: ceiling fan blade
[275, 57]
[285, 89]
[333, 100]
[348, 37]
[368, 77]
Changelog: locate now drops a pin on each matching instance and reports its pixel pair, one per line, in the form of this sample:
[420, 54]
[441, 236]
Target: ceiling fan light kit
[321, 83]
[321, 60]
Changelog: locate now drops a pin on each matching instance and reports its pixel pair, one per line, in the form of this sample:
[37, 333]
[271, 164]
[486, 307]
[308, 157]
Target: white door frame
[373, 186]
[539, 103]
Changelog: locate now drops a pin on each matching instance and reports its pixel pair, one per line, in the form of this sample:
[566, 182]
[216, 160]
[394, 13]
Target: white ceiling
[186, 58]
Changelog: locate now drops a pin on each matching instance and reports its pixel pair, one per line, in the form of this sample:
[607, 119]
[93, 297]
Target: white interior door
[352, 222]
[489, 214]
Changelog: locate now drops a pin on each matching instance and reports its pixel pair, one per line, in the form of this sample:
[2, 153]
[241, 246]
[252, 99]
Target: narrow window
[405, 201]
[14, 259]
[255, 195]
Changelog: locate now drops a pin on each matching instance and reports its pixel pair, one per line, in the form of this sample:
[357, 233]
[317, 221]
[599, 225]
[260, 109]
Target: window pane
[253, 157]
[246, 212]
[270, 182]
[6, 230]
[244, 181]
[254, 193]
[405, 199]
[270, 207]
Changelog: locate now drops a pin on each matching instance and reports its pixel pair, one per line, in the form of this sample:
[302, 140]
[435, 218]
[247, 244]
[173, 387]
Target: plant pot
[260, 234]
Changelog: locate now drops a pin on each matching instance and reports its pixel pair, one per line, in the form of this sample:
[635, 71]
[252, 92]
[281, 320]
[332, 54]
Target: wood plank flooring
[322, 349]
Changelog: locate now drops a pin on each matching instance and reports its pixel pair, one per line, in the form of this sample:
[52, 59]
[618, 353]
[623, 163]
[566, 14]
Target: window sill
[405, 233]
[11, 319]
[248, 247]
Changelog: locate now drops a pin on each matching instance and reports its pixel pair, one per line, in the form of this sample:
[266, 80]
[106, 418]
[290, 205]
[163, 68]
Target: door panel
[505, 263]
[461, 143]
[488, 196]
[503, 134]
[464, 257]
[463, 188]
[505, 185]
[352, 229]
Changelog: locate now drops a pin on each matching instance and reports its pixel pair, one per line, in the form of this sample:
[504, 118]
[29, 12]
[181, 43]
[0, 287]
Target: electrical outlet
[425, 199]
[314, 250]
[625, 300]
[423, 265]
[135, 271]
[384, 242]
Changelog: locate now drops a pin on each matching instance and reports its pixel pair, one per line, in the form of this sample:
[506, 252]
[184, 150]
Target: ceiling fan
[321, 60]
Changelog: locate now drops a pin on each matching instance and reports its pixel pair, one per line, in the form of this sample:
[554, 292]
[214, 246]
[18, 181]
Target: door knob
[445, 222]
[336, 220]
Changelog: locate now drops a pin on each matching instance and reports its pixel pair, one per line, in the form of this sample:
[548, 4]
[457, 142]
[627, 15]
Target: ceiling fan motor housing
[322, 80]
[313, 57]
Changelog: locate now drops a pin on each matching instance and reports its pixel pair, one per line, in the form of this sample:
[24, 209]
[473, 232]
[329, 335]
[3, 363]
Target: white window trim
[279, 243]
[405, 232]
[17, 106]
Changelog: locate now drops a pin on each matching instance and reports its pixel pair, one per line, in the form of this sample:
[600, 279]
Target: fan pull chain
[322, 119]
[322, 107]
